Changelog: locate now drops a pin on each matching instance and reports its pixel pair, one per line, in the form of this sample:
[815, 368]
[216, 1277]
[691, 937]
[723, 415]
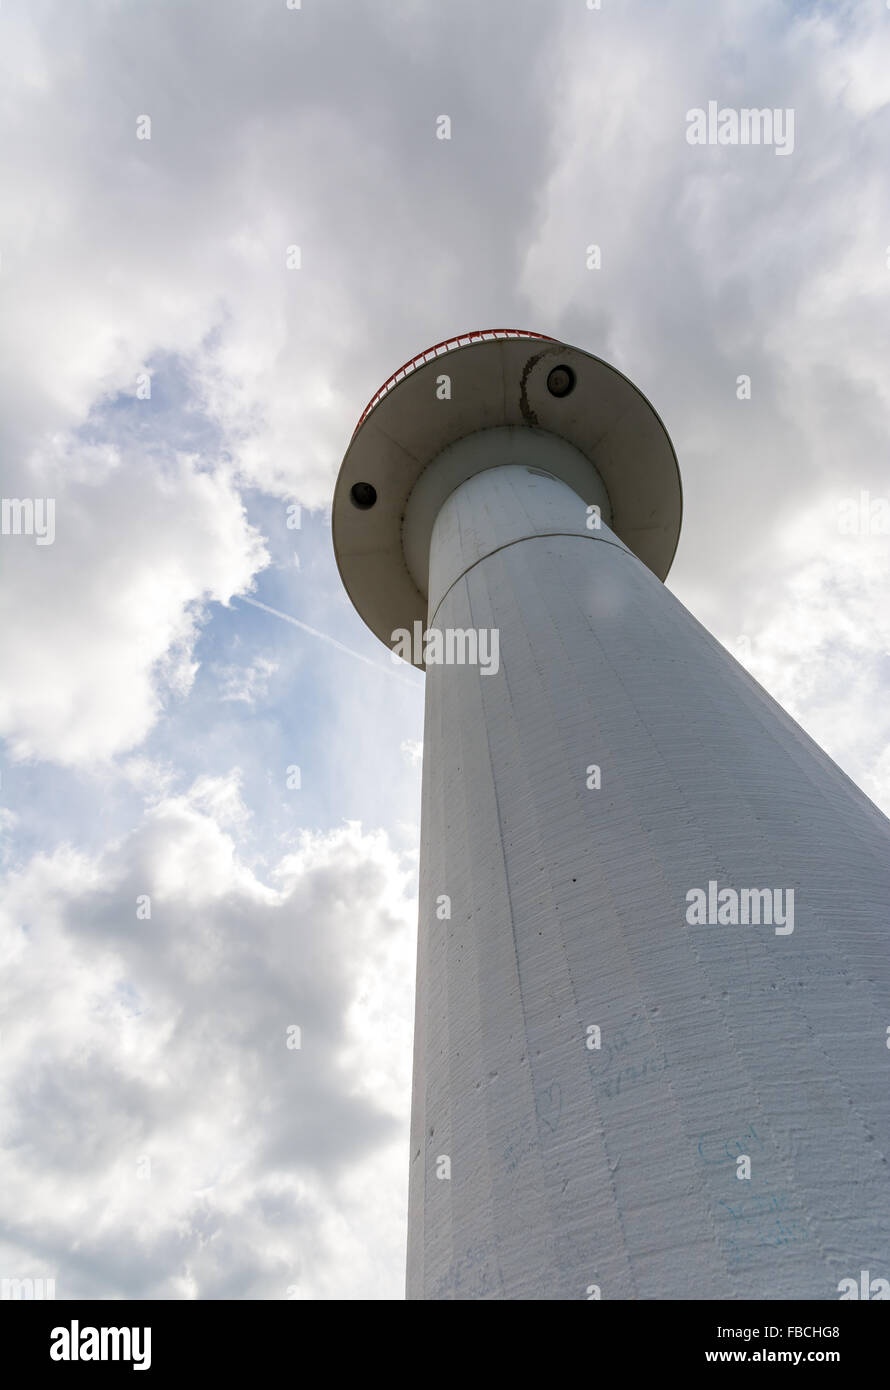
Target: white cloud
[246, 683]
[100, 625]
[821, 643]
[160, 1045]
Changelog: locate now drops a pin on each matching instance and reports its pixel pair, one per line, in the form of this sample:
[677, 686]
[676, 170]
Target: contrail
[286, 617]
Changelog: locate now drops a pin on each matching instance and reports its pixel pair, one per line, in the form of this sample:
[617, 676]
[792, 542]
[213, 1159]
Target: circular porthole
[363, 495]
[561, 381]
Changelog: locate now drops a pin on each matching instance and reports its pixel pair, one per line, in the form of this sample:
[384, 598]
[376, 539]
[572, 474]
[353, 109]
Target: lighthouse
[652, 1038]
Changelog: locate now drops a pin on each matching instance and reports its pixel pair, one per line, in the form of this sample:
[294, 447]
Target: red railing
[438, 350]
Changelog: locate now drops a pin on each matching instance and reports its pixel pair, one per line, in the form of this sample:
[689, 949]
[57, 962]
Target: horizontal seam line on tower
[539, 536]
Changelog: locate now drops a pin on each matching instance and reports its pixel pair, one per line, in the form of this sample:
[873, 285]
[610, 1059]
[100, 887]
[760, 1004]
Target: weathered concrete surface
[617, 1167]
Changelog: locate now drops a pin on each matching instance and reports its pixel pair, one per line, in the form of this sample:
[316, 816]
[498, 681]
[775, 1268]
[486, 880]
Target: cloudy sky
[179, 386]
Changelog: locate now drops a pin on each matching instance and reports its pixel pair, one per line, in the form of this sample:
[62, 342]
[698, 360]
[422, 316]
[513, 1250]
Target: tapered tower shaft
[616, 1166]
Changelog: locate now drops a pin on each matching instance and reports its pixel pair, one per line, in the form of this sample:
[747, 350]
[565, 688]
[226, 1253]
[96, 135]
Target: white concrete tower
[652, 1056]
